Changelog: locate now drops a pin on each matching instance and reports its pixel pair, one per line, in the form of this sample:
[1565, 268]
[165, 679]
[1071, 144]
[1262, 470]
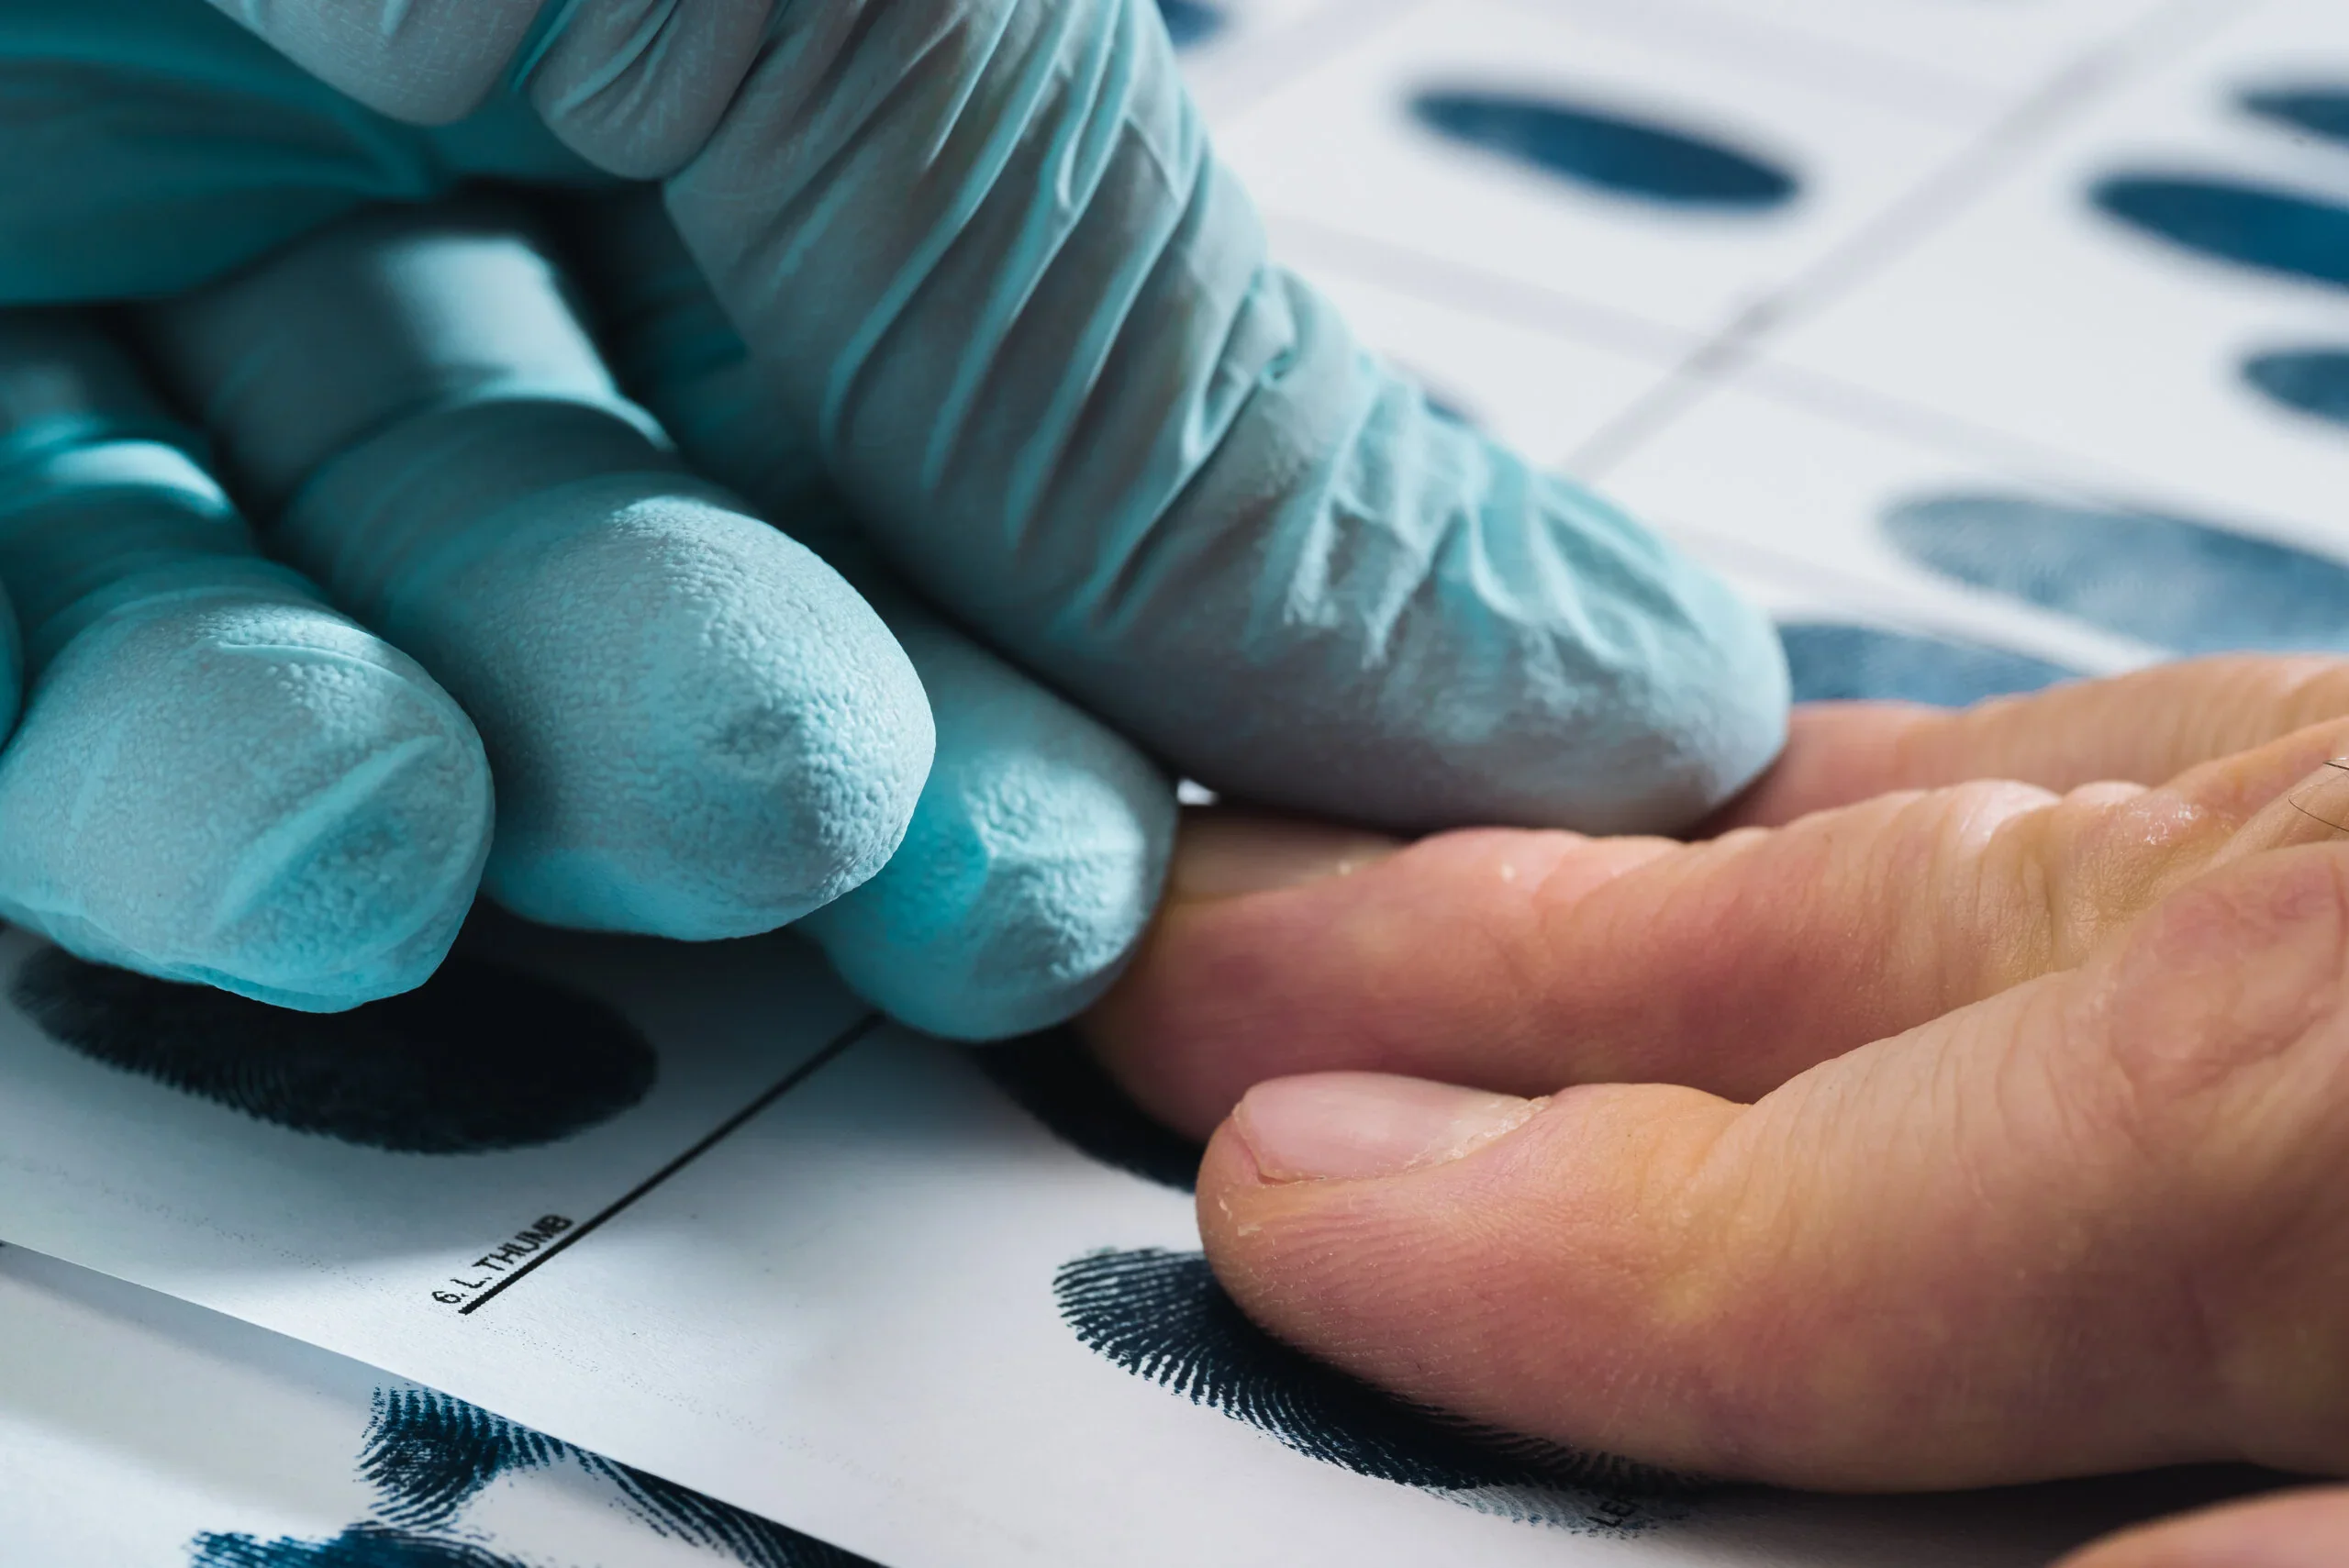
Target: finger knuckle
[2229, 996]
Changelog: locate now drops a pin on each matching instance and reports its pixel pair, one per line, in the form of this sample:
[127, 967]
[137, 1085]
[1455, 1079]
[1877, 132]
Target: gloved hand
[983, 259]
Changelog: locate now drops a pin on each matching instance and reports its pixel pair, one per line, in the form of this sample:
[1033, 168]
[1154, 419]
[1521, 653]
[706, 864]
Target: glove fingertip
[258, 796]
[701, 732]
[1031, 868]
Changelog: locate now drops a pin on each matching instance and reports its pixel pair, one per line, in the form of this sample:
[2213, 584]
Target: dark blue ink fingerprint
[1190, 22]
[2314, 382]
[1839, 662]
[2320, 111]
[1609, 151]
[1054, 1079]
[480, 1058]
[361, 1546]
[428, 1455]
[2289, 233]
[1162, 1316]
[2183, 585]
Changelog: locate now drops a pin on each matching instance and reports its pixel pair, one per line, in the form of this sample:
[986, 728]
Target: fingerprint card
[1488, 148]
[441, 1144]
[2161, 294]
[1905, 564]
[138, 1429]
[933, 1307]
[1943, 51]
[1545, 390]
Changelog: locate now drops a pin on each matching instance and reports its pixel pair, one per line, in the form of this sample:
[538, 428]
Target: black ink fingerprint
[2182, 585]
[428, 1455]
[361, 1546]
[1190, 22]
[1054, 1079]
[1162, 1316]
[480, 1058]
[2314, 382]
[2288, 233]
[2320, 111]
[1609, 151]
[1837, 663]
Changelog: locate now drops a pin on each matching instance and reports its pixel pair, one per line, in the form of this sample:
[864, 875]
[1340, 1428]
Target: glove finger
[158, 146]
[2085, 1224]
[216, 778]
[1000, 274]
[1040, 842]
[698, 730]
[1033, 863]
[1033, 322]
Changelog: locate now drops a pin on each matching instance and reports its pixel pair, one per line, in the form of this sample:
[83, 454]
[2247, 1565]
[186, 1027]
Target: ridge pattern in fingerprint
[480, 1058]
[1162, 1317]
[428, 1455]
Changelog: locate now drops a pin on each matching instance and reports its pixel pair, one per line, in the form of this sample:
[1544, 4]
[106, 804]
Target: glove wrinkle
[1038, 846]
[990, 260]
[218, 779]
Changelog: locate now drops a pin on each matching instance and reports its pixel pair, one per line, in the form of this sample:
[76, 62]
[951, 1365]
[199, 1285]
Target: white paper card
[863, 1307]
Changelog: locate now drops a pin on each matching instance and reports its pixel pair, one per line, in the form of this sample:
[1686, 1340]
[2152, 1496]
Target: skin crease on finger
[2145, 728]
[1519, 962]
[2082, 1226]
[2295, 1530]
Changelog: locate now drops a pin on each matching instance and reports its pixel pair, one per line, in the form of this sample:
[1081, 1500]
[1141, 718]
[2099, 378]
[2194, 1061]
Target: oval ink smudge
[479, 1058]
[2287, 233]
[2183, 585]
[1609, 151]
[2314, 382]
[1833, 662]
[1190, 22]
[1162, 1317]
[2317, 110]
[1054, 1079]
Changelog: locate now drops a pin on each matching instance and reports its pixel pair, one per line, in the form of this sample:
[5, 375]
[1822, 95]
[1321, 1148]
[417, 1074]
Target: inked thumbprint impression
[1833, 662]
[1161, 1316]
[1604, 150]
[2314, 382]
[480, 1058]
[428, 1455]
[1054, 1079]
[2179, 584]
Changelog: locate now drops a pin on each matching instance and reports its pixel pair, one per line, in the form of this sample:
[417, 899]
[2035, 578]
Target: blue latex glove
[415, 396]
[217, 778]
[1040, 842]
[982, 255]
[697, 728]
